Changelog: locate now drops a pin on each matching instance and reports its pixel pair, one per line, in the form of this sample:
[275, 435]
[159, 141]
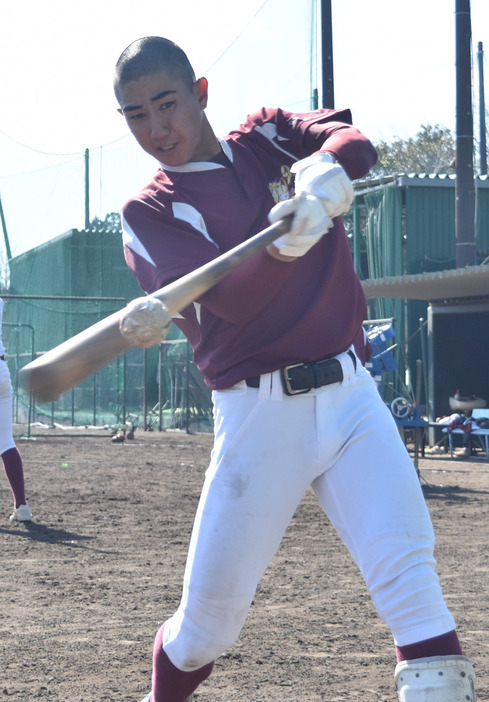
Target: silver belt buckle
[285, 375]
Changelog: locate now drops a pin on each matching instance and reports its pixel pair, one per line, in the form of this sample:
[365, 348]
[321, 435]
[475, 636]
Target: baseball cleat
[436, 679]
[21, 514]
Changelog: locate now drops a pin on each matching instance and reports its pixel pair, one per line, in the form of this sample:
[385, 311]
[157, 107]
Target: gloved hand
[321, 176]
[310, 221]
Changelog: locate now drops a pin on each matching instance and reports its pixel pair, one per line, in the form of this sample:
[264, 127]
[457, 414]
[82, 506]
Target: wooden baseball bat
[66, 365]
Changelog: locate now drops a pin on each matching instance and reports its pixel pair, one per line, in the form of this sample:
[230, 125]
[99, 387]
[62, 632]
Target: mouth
[166, 149]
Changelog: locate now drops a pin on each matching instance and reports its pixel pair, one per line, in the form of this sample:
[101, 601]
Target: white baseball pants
[269, 448]
[6, 437]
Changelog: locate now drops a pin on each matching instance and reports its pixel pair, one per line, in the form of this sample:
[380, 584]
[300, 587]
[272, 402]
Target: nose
[160, 126]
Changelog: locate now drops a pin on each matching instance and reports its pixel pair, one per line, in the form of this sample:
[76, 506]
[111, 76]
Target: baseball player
[281, 345]
[12, 460]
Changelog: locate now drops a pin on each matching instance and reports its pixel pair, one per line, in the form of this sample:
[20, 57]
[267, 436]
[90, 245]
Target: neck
[212, 145]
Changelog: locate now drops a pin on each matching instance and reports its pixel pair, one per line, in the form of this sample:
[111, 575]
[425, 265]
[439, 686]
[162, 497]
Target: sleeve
[158, 248]
[321, 130]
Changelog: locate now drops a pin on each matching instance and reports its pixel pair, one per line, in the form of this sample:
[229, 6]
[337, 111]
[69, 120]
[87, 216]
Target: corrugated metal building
[76, 264]
[405, 225]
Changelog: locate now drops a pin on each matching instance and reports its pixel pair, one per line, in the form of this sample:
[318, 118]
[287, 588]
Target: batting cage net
[151, 389]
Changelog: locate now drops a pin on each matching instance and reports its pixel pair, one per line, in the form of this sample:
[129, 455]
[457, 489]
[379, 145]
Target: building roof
[409, 180]
[436, 180]
[471, 281]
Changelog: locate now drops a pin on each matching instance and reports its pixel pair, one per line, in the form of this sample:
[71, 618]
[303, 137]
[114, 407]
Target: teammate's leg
[14, 470]
[11, 458]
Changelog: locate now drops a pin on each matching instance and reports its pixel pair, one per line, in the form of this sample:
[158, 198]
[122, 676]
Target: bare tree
[432, 150]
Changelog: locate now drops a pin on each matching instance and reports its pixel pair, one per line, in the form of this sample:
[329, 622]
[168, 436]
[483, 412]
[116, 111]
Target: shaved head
[148, 56]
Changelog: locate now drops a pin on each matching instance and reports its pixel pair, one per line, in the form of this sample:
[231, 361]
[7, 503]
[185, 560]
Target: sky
[394, 66]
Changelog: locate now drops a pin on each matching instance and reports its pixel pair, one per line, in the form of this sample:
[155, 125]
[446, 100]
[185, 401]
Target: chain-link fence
[153, 389]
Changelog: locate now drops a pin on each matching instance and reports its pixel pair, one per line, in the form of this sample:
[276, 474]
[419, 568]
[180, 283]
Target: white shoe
[21, 514]
[436, 679]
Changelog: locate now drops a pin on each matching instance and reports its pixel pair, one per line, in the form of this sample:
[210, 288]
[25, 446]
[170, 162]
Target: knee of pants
[198, 634]
[406, 591]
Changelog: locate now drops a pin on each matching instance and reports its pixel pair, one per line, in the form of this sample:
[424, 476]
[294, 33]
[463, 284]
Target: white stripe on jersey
[188, 213]
[130, 240]
[269, 131]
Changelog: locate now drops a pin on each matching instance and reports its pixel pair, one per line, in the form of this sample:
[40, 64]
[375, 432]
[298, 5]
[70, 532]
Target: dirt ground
[85, 586]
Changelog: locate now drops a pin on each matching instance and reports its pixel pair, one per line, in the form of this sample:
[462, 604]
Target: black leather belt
[300, 378]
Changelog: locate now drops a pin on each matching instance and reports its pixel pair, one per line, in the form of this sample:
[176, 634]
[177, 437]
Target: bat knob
[145, 322]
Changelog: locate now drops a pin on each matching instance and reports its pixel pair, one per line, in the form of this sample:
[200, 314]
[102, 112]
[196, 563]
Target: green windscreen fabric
[385, 255]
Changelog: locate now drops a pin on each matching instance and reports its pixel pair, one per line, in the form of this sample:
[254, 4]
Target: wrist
[327, 156]
[274, 252]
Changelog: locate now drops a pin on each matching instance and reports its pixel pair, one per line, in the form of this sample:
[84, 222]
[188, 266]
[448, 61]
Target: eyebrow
[155, 98]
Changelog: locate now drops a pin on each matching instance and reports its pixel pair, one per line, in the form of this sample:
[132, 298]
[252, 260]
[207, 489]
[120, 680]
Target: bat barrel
[61, 368]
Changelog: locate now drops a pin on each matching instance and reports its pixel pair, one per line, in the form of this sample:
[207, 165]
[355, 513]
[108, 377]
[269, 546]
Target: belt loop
[350, 369]
[265, 386]
[277, 391]
[353, 357]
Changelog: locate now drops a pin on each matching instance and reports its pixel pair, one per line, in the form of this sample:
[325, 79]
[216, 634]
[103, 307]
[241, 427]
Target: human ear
[201, 91]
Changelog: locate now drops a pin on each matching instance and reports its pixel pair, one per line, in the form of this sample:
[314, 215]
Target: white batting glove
[321, 176]
[308, 225]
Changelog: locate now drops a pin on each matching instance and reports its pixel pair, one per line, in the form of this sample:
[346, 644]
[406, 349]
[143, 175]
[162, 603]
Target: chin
[169, 158]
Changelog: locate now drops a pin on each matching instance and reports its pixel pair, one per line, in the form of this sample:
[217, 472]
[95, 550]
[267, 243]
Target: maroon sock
[444, 645]
[12, 462]
[170, 684]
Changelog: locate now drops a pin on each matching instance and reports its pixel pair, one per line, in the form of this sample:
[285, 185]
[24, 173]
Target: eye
[167, 105]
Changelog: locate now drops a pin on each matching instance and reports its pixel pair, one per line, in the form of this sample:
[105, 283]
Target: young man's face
[167, 118]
